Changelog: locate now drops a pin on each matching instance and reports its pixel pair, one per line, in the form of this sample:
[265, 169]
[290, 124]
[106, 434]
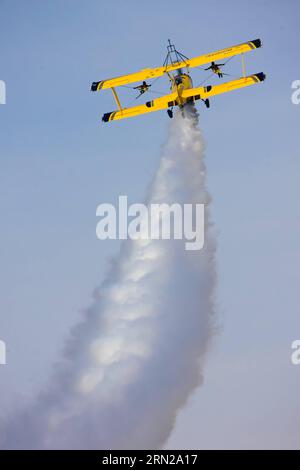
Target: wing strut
[243, 65]
[116, 98]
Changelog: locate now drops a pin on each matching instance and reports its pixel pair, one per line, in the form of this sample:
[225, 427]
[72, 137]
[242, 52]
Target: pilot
[216, 69]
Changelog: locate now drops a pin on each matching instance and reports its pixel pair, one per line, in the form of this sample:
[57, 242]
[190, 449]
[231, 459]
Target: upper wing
[194, 94]
[224, 53]
[148, 73]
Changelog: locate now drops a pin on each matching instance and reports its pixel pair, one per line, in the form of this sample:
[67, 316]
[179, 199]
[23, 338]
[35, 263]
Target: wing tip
[260, 76]
[106, 116]
[96, 86]
[257, 43]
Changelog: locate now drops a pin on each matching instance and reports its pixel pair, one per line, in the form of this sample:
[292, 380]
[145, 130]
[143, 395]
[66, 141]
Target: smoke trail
[137, 355]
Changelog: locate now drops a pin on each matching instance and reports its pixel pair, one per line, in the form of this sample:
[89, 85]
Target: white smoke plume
[137, 355]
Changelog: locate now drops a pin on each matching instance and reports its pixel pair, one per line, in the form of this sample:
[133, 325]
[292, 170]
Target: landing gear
[206, 102]
[170, 113]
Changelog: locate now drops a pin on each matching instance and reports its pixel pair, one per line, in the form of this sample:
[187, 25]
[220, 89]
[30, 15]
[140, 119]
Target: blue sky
[58, 162]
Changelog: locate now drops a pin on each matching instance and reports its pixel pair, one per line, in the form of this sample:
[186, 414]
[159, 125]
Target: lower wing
[154, 105]
[191, 95]
[208, 91]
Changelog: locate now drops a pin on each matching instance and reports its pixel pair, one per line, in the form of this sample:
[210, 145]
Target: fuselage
[179, 83]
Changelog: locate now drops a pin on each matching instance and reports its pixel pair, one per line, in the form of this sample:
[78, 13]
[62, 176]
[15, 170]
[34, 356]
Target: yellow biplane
[182, 91]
